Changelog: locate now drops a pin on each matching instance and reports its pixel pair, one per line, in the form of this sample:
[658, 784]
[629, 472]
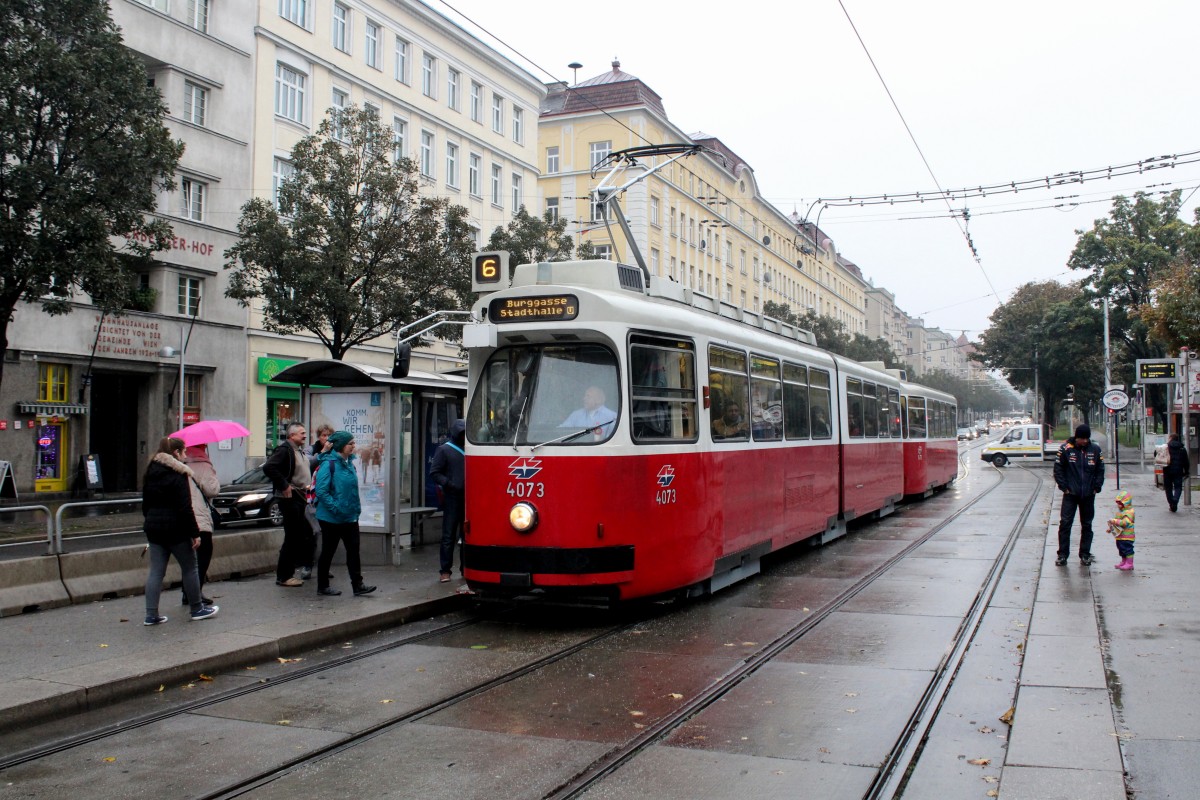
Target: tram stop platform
[1108, 696]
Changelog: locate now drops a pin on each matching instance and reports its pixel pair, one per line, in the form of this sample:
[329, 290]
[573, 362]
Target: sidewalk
[65, 660]
[1108, 692]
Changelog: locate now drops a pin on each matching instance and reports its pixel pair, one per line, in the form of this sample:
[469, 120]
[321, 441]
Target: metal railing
[49, 522]
[55, 546]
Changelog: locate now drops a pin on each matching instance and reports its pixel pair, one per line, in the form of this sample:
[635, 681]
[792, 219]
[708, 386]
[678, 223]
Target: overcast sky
[993, 92]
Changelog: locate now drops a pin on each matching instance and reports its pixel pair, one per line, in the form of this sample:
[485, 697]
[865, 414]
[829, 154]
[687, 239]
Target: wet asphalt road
[817, 721]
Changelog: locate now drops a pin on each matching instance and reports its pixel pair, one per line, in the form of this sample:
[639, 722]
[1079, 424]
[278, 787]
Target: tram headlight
[523, 517]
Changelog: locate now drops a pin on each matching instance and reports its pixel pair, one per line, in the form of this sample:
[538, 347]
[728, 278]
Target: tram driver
[593, 414]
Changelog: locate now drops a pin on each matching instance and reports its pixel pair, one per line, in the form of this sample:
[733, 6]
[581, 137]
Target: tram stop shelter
[397, 424]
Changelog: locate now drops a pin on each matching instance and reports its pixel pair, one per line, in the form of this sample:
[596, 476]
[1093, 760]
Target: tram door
[437, 414]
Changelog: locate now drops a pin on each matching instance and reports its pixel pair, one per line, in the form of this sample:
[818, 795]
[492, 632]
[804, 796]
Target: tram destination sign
[547, 308]
[1158, 370]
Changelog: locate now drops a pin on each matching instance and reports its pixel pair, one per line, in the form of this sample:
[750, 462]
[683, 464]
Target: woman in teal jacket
[338, 507]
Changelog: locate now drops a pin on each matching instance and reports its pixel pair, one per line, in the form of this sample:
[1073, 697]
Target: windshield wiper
[575, 435]
[520, 419]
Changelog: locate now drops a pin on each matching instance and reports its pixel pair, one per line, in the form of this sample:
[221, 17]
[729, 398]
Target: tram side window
[854, 407]
[662, 389]
[766, 399]
[904, 416]
[819, 402]
[729, 392]
[795, 401]
[916, 417]
[894, 412]
[870, 410]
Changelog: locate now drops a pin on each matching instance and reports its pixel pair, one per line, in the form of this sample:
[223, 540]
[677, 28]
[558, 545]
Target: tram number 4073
[664, 497]
[526, 489]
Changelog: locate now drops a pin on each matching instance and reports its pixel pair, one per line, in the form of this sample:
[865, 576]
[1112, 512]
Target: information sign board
[1158, 370]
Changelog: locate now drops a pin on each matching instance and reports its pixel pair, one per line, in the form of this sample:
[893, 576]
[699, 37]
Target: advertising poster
[363, 414]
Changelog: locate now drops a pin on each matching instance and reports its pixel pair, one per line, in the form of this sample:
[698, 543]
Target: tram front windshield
[554, 394]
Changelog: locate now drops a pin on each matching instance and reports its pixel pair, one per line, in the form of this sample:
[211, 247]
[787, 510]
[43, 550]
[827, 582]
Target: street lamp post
[171, 352]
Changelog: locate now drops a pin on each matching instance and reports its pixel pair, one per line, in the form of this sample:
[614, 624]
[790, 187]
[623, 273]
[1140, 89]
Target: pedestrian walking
[314, 452]
[171, 530]
[204, 485]
[1175, 470]
[338, 508]
[1079, 473]
[1121, 527]
[287, 468]
[448, 471]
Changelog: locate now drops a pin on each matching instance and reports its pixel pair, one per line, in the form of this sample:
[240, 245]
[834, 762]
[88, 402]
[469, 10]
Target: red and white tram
[629, 438]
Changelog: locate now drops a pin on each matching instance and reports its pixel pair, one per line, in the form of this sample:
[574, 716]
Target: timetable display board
[1158, 370]
[545, 308]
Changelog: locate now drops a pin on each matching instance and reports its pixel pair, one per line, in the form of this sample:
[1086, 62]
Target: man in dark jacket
[1079, 473]
[287, 467]
[1176, 470]
[449, 472]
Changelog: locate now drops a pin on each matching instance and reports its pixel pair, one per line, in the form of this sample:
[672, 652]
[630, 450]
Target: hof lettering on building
[127, 337]
[179, 243]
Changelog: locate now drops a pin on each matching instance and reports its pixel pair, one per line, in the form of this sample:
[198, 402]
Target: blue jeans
[159, 556]
[453, 511]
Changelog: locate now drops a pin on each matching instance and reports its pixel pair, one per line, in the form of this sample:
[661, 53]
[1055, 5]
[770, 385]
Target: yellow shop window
[52, 383]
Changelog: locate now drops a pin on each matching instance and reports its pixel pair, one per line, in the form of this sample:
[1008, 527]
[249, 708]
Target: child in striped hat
[1121, 527]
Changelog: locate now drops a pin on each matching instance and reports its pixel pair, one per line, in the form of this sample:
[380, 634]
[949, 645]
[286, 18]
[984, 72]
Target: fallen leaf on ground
[979, 762]
[993, 793]
[204, 677]
[1007, 716]
[851, 710]
[387, 701]
[188, 686]
[251, 668]
[749, 644]
[637, 713]
[288, 660]
[675, 696]
[284, 722]
[823, 750]
[162, 687]
[109, 759]
[990, 779]
[104, 645]
[985, 729]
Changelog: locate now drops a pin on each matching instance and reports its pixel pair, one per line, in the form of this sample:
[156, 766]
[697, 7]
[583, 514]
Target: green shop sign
[268, 368]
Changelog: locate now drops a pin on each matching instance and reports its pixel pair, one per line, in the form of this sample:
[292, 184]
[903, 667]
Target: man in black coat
[449, 472]
[1175, 471]
[287, 467]
[1079, 473]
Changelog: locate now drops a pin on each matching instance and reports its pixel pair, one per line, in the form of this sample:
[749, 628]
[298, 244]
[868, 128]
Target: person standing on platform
[204, 486]
[1122, 528]
[338, 507]
[448, 471]
[287, 468]
[1178, 468]
[170, 527]
[1079, 473]
[314, 453]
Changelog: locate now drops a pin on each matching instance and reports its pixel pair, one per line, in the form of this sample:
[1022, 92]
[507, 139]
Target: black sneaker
[305, 573]
[207, 612]
[1060, 562]
[364, 589]
[329, 591]
[1087, 561]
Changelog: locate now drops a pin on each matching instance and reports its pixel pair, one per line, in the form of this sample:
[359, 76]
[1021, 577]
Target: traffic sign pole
[1115, 400]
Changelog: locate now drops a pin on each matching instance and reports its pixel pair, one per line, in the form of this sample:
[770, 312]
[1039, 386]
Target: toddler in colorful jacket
[1121, 527]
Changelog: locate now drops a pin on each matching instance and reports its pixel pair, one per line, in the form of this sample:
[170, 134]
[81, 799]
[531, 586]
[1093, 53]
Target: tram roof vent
[593, 274]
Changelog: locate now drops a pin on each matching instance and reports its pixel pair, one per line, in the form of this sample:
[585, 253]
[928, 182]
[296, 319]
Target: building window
[193, 193]
[371, 44]
[551, 160]
[399, 135]
[552, 209]
[281, 171]
[474, 176]
[52, 383]
[497, 187]
[453, 79]
[402, 60]
[427, 154]
[428, 75]
[294, 11]
[289, 93]
[452, 165]
[189, 296]
[340, 101]
[497, 113]
[516, 192]
[476, 102]
[598, 210]
[195, 103]
[157, 5]
[197, 15]
[600, 151]
[518, 116]
[341, 27]
[655, 266]
[193, 397]
[604, 251]
[742, 260]
[654, 212]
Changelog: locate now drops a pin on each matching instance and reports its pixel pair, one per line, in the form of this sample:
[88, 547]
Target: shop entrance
[114, 430]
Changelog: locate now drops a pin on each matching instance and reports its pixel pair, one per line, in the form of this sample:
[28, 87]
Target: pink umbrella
[211, 430]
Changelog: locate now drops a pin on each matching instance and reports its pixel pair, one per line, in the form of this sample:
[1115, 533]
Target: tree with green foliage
[83, 152]
[357, 252]
[530, 240]
[832, 335]
[1173, 316]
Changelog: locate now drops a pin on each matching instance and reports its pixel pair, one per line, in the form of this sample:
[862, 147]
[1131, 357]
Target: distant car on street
[966, 433]
[249, 498]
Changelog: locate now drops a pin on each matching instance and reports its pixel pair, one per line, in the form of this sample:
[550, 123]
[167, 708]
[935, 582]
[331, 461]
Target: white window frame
[295, 11]
[193, 198]
[552, 160]
[518, 121]
[197, 15]
[604, 251]
[195, 103]
[289, 92]
[399, 138]
[189, 295]
[453, 84]
[654, 210]
[403, 49]
[339, 101]
[341, 27]
[429, 76]
[428, 140]
[157, 5]
[497, 113]
[552, 208]
[516, 192]
[475, 175]
[497, 186]
[599, 151]
[372, 36]
[281, 170]
[477, 102]
[452, 165]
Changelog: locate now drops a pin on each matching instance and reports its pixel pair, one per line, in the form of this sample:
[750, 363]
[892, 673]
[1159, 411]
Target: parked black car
[249, 498]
